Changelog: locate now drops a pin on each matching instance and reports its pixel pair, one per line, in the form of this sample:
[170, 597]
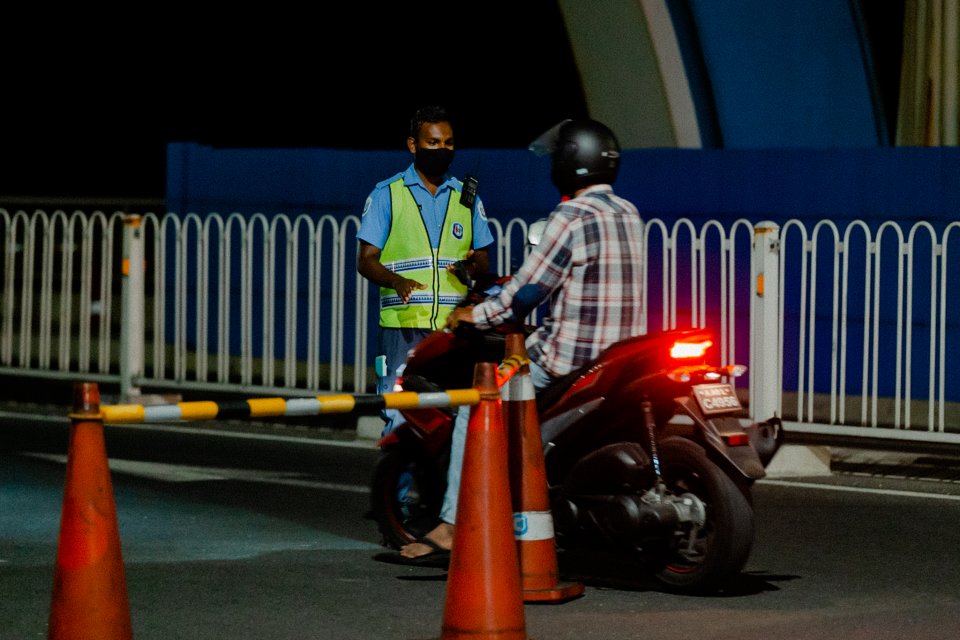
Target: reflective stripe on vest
[408, 253]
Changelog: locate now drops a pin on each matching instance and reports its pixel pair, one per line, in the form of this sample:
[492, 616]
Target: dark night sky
[88, 110]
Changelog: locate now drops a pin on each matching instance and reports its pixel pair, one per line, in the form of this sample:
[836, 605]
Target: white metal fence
[845, 330]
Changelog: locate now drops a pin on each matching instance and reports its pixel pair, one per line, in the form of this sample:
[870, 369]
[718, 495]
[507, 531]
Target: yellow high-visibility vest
[407, 252]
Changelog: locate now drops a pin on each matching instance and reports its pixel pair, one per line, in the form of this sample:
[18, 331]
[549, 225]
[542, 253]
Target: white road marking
[352, 444]
[884, 492]
[173, 428]
[188, 473]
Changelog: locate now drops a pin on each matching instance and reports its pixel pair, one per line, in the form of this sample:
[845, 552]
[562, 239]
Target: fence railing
[844, 330]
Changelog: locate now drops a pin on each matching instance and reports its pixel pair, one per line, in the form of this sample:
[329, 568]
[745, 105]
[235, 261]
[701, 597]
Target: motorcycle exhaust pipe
[624, 517]
[630, 516]
[637, 518]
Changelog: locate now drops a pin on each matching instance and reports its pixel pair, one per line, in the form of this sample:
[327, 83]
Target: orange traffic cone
[89, 587]
[532, 519]
[483, 600]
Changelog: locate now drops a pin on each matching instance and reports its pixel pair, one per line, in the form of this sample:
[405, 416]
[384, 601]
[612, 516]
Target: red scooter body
[648, 452]
[599, 404]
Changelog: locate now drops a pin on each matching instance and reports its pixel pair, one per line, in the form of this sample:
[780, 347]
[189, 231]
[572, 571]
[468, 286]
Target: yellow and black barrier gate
[272, 407]
[290, 407]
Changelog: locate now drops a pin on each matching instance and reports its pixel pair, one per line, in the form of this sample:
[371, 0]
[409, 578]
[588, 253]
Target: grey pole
[132, 308]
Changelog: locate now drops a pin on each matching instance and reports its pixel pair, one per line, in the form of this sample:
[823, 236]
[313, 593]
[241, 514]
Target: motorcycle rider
[588, 265]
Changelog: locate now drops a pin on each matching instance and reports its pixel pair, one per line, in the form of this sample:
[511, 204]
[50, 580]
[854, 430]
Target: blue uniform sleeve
[482, 235]
[375, 221]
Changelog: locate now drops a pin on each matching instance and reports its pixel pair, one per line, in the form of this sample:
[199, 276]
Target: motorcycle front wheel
[406, 493]
[700, 560]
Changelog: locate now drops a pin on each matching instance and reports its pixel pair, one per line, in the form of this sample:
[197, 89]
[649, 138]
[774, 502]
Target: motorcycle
[647, 450]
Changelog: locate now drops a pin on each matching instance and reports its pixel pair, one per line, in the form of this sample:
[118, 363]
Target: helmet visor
[546, 142]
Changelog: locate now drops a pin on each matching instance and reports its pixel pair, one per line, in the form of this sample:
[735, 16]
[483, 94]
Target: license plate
[716, 398]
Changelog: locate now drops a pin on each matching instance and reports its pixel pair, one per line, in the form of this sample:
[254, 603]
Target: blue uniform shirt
[377, 214]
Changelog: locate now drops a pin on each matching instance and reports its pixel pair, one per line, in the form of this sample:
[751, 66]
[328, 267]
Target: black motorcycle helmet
[585, 152]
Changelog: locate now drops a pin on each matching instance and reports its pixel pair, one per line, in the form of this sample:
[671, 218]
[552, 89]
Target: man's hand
[458, 315]
[405, 287]
[370, 267]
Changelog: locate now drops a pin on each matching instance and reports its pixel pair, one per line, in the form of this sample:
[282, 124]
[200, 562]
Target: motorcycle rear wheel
[705, 560]
[406, 493]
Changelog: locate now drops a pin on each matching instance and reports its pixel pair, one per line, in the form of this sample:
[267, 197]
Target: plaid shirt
[589, 263]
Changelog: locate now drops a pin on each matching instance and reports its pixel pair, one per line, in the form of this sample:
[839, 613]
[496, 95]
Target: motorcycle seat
[548, 396]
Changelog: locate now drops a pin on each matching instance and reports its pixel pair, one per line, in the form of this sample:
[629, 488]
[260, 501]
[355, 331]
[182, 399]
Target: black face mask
[433, 162]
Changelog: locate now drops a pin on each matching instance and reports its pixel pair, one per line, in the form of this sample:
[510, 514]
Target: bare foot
[442, 535]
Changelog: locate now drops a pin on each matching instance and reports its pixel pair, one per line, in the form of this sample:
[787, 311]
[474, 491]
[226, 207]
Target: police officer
[414, 227]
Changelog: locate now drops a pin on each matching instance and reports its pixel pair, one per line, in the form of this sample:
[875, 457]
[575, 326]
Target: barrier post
[132, 308]
[765, 373]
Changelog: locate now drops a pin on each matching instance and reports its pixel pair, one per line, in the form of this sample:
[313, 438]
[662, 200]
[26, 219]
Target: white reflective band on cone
[533, 525]
[518, 389]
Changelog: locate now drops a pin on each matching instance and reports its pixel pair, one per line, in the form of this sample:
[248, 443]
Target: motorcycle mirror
[461, 273]
[535, 232]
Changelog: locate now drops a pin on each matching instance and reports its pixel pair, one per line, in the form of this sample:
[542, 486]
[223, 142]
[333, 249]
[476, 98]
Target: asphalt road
[261, 535]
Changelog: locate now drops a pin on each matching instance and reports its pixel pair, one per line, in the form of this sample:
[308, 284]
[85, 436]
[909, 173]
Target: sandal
[437, 557]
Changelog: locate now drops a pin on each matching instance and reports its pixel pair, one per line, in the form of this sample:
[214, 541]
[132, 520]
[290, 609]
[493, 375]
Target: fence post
[132, 307]
[765, 365]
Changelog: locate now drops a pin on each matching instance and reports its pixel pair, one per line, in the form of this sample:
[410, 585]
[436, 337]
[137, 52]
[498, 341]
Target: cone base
[506, 634]
[561, 592]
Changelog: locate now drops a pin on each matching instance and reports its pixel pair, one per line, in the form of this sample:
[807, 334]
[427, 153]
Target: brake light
[736, 439]
[685, 350]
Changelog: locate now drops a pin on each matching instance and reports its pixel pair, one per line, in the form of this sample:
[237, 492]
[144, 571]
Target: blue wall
[841, 184]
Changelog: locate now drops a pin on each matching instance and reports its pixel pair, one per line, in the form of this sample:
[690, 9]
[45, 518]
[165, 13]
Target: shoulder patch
[481, 210]
[366, 205]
